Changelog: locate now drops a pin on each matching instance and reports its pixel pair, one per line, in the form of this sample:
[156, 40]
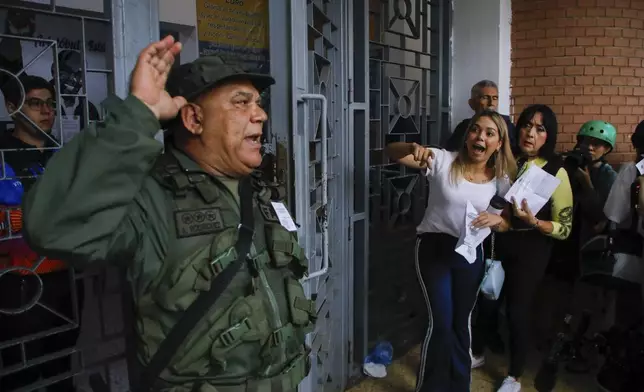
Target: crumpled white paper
[470, 237]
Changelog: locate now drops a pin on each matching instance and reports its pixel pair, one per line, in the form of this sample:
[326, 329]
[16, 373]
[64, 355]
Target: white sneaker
[477, 362]
[510, 384]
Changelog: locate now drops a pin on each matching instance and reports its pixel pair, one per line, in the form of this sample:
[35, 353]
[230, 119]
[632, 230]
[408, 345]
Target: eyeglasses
[38, 104]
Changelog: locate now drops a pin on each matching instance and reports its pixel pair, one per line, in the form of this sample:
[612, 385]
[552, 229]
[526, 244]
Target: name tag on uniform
[284, 216]
[198, 222]
[268, 213]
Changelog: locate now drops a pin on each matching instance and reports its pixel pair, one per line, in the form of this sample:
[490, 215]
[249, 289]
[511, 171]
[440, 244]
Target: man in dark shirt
[26, 150]
[21, 23]
[32, 127]
[484, 95]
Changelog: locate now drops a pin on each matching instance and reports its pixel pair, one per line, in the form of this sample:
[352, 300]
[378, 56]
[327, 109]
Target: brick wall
[584, 58]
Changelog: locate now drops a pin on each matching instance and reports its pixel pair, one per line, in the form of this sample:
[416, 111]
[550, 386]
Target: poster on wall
[235, 30]
[30, 42]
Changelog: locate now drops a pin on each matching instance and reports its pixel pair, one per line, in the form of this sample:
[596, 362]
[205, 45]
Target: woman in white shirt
[482, 167]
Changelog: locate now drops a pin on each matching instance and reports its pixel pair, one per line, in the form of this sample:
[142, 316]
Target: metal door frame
[358, 177]
[289, 54]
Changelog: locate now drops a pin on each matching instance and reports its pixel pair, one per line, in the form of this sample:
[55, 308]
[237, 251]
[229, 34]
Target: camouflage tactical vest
[253, 337]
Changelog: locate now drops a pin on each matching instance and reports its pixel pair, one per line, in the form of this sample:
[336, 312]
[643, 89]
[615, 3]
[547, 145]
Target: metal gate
[319, 147]
[45, 340]
[401, 77]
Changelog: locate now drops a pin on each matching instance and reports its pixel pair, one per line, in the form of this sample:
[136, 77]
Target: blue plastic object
[11, 189]
[382, 354]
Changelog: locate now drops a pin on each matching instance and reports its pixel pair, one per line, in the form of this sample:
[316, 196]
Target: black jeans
[57, 294]
[449, 284]
[525, 256]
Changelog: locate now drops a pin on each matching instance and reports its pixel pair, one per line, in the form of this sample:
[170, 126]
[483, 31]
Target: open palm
[150, 75]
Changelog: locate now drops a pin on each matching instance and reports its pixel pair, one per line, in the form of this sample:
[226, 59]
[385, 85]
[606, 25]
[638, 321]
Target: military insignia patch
[198, 222]
[268, 213]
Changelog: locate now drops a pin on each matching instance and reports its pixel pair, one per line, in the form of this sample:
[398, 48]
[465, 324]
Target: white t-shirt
[447, 202]
[618, 204]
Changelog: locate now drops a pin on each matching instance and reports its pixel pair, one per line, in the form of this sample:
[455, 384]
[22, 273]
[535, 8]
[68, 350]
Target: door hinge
[349, 232]
[350, 353]
[350, 91]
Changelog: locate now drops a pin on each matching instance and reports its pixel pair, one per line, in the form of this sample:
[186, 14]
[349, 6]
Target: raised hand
[150, 75]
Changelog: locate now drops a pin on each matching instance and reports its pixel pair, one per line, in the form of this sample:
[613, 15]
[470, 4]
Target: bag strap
[201, 306]
[492, 255]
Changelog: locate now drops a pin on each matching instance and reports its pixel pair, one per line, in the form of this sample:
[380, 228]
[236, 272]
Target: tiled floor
[402, 373]
[402, 377]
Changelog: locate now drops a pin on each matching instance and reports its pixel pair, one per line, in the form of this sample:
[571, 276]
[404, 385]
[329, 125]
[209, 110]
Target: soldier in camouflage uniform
[181, 220]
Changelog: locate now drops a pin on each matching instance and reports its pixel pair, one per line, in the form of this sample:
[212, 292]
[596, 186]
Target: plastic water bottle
[375, 363]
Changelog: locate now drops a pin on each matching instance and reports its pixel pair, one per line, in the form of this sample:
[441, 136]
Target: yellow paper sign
[236, 30]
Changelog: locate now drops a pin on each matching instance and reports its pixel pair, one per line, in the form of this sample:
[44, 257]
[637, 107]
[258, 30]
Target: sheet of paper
[284, 216]
[470, 237]
[536, 186]
[640, 166]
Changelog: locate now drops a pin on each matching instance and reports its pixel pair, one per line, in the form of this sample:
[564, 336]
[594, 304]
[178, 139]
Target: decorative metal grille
[56, 328]
[404, 105]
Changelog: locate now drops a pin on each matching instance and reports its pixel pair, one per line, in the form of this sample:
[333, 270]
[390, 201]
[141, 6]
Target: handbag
[494, 277]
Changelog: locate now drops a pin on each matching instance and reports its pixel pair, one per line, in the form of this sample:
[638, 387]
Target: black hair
[546, 151]
[637, 139]
[12, 93]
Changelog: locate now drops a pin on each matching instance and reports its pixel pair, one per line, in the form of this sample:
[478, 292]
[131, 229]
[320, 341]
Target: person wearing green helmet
[591, 179]
[598, 139]
[600, 135]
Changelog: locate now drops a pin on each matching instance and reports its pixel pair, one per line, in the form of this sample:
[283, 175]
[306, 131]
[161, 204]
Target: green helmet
[601, 130]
